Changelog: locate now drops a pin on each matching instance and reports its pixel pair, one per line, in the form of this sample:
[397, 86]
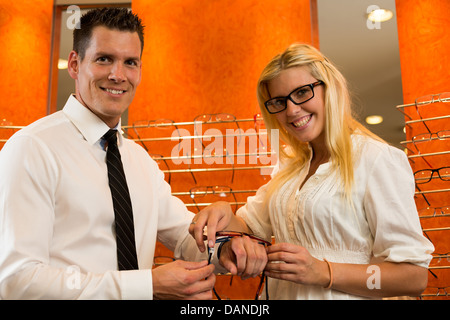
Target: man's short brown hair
[120, 19]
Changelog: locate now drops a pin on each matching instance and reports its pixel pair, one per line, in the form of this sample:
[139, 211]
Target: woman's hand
[215, 217]
[244, 257]
[294, 263]
[241, 255]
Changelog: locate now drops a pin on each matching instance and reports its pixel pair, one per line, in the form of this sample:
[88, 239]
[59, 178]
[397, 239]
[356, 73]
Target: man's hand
[181, 280]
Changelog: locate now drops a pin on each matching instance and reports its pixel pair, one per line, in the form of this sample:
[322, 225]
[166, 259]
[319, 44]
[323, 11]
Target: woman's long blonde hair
[339, 121]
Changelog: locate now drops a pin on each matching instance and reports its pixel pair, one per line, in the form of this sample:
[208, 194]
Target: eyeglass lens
[298, 96]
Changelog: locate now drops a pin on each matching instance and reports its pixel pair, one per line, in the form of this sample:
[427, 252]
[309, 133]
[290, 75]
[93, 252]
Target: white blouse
[384, 221]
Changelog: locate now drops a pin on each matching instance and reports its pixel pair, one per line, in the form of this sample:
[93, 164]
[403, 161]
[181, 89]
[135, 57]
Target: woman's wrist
[325, 274]
[330, 274]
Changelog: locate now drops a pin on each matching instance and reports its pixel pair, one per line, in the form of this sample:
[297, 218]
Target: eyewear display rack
[7, 129]
[214, 157]
[427, 128]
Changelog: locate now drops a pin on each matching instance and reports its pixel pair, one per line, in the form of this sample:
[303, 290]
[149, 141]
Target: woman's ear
[73, 64]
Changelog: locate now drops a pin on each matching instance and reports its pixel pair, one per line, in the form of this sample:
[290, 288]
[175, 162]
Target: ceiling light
[375, 119]
[380, 15]
[62, 64]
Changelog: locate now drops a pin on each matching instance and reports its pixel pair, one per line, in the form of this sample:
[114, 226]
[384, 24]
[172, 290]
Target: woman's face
[305, 122]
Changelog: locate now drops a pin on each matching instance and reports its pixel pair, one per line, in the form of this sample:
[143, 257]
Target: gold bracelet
[331, 274]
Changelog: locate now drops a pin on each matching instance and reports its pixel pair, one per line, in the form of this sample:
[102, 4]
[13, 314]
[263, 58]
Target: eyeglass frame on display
[434, 213]
[440, 256]
[193, 194]
[431, 175]
[437, 289]
[419, 103]
[430, 134]
[136, 125]
[211, 115]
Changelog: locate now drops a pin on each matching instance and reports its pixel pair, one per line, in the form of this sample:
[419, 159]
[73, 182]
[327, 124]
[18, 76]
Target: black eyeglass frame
[311, 86]
[432, 171]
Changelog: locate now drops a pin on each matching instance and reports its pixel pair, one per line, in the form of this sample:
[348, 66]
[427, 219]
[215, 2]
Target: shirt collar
[90, 126]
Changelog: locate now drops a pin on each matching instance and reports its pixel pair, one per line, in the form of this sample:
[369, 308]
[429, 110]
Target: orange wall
[424, 46]
[25, 42]
[425, 58]
[206, 56]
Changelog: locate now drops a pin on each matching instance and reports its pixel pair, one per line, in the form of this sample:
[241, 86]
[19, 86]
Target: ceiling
[368, 58]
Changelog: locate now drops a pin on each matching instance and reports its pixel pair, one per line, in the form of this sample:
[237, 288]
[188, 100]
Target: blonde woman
[341, 207]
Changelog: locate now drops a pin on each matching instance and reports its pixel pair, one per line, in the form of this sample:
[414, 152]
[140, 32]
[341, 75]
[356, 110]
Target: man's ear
[73, 64]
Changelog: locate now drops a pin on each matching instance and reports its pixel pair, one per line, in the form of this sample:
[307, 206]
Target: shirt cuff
[136, 284]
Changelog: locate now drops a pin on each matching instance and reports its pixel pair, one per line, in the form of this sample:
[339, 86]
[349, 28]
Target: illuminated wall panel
[25, 39]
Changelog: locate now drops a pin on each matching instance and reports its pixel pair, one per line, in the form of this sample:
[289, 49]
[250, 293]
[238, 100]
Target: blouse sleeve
[391, 210]
[256, 214]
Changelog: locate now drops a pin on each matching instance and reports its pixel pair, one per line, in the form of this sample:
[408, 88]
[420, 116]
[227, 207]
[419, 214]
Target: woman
[341, 207]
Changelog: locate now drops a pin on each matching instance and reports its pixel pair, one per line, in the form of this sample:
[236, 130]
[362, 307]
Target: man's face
[107, 78]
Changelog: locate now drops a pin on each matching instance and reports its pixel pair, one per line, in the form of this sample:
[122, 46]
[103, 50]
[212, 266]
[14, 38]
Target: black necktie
[123, 213]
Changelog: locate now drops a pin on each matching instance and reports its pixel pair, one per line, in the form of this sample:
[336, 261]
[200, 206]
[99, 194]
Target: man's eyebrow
[103, 54]
[110, 55]
[134, 58]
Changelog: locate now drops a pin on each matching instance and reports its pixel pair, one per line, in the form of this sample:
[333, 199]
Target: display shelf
[427, 146]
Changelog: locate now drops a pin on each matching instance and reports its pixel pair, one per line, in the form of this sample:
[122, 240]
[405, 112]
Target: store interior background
[204, 57]
[368, 58]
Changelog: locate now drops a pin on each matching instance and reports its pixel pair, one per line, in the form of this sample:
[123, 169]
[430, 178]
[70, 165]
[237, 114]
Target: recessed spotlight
[375, 119]
[62, 64]
[380, 15]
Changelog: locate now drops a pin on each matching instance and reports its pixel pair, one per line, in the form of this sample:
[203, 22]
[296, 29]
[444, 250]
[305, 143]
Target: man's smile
[114, 91]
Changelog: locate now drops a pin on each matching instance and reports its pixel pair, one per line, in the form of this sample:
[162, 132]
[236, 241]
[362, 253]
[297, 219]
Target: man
[58, 229]
[57, 218]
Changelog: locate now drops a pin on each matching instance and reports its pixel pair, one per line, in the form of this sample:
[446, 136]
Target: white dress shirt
[56, 213]
[383, 224]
